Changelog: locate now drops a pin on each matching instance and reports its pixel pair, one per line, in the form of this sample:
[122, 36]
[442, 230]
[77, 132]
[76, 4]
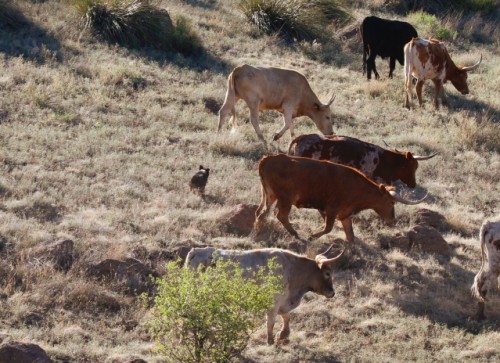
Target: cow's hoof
[276, 137]
[270, 340]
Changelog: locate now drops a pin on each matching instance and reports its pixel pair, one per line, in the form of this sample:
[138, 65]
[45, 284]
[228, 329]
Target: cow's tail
[480, 278]
[366, 49]
[292, 147]
[408, 66]
[229, 103]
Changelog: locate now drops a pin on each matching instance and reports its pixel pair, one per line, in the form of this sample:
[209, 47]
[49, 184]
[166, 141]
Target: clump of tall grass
[430, 26]
[137, 23]
[11, 17]
[295, 19]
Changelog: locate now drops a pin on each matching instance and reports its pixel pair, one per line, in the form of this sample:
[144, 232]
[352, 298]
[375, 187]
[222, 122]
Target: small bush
[208, 316]
[137, 23]
[295, 19]
[430, 26]
[445, 34]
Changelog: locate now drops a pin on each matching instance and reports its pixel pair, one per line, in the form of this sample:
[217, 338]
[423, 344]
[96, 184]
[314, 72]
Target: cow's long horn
[322, 107]
[427, 157]
[331, 101]
[400, 199]
[321, 260]
[471, 68]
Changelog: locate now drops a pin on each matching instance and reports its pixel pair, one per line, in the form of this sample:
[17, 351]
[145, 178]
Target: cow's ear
[409, 155]
[201, 167]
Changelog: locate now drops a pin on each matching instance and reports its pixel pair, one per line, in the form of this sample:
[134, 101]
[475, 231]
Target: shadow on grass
[29, 41]
[440, 291]
[214, 199]
[479, 108]
[205, 4]
[198, 61]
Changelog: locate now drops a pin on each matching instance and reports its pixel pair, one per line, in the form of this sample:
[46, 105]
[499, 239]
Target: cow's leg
[439, 93]
[370, 65]
[253, 105]
[482, 282]
[287, 123]
[271, 319]
[282, 215]
[285, 331]
[392, 65]
[267, 200]
[418, 89]
[225, 109]
[348, 230]
[329, 221]
[408, 85]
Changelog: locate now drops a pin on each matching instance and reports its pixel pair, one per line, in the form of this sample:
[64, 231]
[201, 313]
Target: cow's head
[322, 282]
[322, 117]
[385, 206]
[458, 77]
[408, 168]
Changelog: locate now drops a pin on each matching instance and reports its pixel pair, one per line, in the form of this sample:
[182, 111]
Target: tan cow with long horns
[280, 89]
[300, 274]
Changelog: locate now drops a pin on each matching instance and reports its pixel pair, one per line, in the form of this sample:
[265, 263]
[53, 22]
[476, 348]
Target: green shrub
[429, 26]
[136, 23]
[207, 316]
[445, 34]
[294, 19]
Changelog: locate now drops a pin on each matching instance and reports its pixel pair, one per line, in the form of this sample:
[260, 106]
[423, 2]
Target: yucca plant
[136, 23]
[294, 19]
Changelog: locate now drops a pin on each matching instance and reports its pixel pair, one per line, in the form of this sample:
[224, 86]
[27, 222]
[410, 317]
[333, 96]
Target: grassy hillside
[99, 141]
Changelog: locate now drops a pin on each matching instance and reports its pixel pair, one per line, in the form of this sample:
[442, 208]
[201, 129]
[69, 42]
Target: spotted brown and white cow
[377, 163]
[490, 264]
[300, 274]
[271, 88]
[429, 59]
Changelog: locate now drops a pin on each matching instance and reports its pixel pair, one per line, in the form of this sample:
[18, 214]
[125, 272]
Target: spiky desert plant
[282, 17]
[136, 23]
[294, 19]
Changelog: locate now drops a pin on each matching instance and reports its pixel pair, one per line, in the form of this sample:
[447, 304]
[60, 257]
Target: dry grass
[99, 144]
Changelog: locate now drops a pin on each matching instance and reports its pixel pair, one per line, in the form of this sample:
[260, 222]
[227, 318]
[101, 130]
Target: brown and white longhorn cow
[336, 191]
[300, 274]
[429, 59]
[270, 88]
[490, 264]
[381, 165]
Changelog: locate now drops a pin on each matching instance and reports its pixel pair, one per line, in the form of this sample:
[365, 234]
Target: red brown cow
[280, 89]
[335, 190]
[381, 165]
[429, 59]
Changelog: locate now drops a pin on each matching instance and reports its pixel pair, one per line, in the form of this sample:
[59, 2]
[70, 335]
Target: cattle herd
[337, 175]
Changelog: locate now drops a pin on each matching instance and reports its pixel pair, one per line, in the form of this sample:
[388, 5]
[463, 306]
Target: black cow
[385, 38]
